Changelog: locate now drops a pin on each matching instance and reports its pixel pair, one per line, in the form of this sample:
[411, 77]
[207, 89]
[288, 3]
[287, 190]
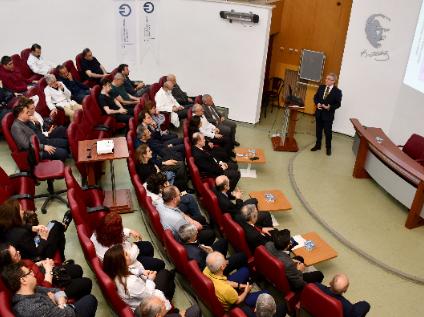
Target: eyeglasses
[26, 274]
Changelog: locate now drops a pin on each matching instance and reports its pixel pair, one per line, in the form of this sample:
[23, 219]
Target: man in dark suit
[280, 247]
[339, 285]
[212, 114]
[328, 98]
[199, 252]
[225, 197]
[255, 235]
[209, 166]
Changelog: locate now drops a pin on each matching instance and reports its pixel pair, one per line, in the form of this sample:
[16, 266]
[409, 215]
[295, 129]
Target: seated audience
[227, 127]
[110, 231]
[57, 95]
[109, 105]
[226, 289]
[37, 63]
[133, 287]
[164, 137]
[266, 307]
[22, 132]
[55, 135]
[91, 68]
[225, 197]
[34, 241]
[338, 286]
[77, 88]
[165, 102]
[154, 306]
[178, 93]
[209, 166]
[280, 247]
[118, 90]
[198, 252]
[75, 288]
[157, 117]
[173, 218]
[31, 300]
[132, 87]
[156, 183]
[255, 235]
[11, 77]
[6, 96]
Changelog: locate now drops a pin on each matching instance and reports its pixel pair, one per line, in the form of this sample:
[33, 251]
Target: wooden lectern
[286, 141]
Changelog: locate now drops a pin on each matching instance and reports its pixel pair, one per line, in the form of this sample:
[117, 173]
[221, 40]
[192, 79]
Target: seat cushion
[45, 170]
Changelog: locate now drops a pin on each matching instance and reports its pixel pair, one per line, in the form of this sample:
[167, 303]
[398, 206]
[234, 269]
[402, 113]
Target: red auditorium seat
[25, 70]
[153, 89]
[235, 235]
[196, 178]
[5, 307]
[19, 186]
[137, 110]
[88, 82]
[185, 128]
[176, 252]
[48, 170]
[237, 312]
[198, 100]
[414, 148]
[70, 66]
[318, 304]
[162, 80]
[210, 201]
[154, 219]
[20, 157]
[187, 148]
[274, 272]
[130, 142]
[84, 233]
[204, 289]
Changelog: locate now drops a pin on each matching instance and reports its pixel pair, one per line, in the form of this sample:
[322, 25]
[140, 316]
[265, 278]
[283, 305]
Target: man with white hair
[119, 92]
[226, 288]
[338, 286]
[178, 93]
[153, 306]
[165, 102]
[226, 126]
[57, 95]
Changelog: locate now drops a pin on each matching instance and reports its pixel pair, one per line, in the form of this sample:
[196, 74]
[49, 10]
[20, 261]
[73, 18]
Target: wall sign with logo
[126, 22]
[149, 42]
[376, 32]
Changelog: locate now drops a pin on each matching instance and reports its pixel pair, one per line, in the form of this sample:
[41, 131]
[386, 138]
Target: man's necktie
[326, 92]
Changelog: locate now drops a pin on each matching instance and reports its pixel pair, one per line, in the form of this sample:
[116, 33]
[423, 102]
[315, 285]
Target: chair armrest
[21, 174]
[21, 196]
[97, 209]
[102, 127]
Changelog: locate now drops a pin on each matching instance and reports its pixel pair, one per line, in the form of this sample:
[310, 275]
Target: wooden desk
[280, 202]
[243, 156]
[116, 199]
[286, 141]
[401, 176]
[322, 251]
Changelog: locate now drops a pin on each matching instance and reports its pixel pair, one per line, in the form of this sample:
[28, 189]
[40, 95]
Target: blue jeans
[242, 276]
[188, 205]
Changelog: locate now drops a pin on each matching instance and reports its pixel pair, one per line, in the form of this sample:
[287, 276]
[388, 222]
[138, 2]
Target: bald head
[172, 78]
[168, 85]
[222, 182]
[340, 283]
[215, 261]
[197, 109]
[152, 306]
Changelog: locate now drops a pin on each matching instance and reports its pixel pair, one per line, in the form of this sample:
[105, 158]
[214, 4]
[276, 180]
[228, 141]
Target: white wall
[208, 54]
[373, 90]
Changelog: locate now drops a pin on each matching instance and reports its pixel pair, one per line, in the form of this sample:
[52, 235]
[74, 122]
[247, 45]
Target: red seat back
[195, 177]
[154, 218]
[211, 203]
[319, 304]
[20, 157]
[162, 80]
[187, 148]
[237, 312]
[25, 70]
[185, 128]
[154, 88]
[70, 66]
[5, 304]
[137, 110]
[198, 100]
[204, 289]
[22, 185]
[414, 147]
[87, 246]
[176, 252]
[235, 234]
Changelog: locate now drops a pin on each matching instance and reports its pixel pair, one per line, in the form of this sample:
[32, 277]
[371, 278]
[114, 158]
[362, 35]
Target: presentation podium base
[287, 145]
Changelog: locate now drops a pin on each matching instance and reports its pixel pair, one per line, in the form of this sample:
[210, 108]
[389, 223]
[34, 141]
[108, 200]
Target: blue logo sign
[125, 10]
[148, 7]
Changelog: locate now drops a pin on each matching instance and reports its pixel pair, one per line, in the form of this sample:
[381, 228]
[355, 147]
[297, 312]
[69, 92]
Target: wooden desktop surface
[322, 251]
[245, 159]
[280, 202]
[87, 147]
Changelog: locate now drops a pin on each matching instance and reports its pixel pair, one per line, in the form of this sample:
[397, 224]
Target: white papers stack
[300, 241]
[105, 147]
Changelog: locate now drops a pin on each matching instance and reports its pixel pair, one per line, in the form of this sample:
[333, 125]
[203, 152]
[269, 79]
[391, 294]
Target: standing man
[327, 99]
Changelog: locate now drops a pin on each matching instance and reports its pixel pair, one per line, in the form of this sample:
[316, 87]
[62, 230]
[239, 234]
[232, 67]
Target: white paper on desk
[274, 222]
[300, 241]
[105, 146]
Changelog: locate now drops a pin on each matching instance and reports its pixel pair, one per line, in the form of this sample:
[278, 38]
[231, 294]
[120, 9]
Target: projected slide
[414, 75]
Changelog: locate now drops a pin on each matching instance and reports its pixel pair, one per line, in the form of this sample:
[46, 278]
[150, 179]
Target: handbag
[61, 277]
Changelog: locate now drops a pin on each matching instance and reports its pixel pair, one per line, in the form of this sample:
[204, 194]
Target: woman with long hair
[76, 287]
[146, 166]
[110, 231]
[133, 287]
[34, 241]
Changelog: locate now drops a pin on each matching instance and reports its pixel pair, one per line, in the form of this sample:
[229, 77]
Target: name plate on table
[105, 146]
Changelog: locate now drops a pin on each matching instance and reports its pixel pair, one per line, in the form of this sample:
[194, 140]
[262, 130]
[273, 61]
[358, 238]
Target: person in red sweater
[12, 77]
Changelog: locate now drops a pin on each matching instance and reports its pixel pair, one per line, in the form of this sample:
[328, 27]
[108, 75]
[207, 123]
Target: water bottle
[309, 245]
[37, 240]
